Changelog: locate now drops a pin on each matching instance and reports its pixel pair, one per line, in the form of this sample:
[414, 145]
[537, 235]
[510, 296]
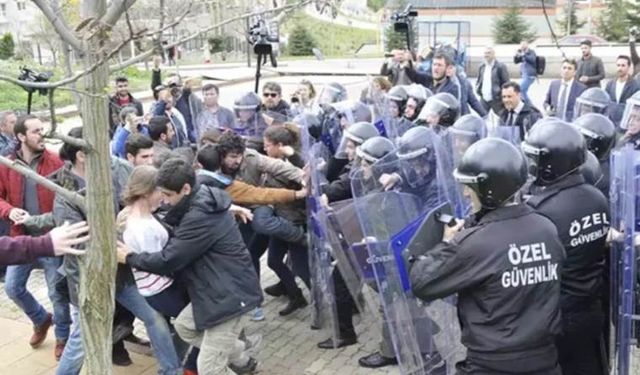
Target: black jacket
[580, 212]
[508, 285]
[499, 76]
[527, 117]
[209, 256]
[339, 189]
[282, 108]
[426, 79]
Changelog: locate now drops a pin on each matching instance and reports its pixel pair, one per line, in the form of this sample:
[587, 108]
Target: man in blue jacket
[526, 57]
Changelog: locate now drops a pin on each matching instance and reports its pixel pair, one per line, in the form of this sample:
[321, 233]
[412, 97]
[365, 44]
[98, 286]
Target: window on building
[21, 5]
[3, 9]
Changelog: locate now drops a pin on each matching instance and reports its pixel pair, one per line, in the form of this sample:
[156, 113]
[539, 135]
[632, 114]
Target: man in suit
[492, 74]
[516, 111]
[621, 88]
[562, 93]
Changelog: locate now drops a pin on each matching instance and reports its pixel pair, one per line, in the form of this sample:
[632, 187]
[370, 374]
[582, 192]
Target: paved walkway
[288, 346]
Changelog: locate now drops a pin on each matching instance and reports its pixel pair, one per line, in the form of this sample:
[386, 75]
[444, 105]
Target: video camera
[29, 75]
[402, 20]
[261, 38]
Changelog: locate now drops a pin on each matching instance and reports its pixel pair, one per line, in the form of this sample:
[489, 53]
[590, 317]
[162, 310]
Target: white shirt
[619, 89]
[147, 235]
[487, 93]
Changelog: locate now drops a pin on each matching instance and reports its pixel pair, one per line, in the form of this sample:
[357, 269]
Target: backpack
[541, 63]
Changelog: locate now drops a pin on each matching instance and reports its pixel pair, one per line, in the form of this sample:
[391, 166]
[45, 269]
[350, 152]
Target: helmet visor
[631, 117]
[584, 106]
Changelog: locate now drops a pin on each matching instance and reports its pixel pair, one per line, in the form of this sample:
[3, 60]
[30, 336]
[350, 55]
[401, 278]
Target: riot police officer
[599, 133]
[507, 279]
[367, 153]
[332, 92]
[593, 100]
[555, 151]
[418, 96]
[440, 111]
[630, 123]
[249, 123]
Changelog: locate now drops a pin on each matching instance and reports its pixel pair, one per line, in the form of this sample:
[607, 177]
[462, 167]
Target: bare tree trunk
[67, 55]
[97, 271]
[98, 267]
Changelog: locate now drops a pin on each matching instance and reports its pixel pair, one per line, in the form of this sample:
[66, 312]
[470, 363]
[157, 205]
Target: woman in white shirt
[144, 233]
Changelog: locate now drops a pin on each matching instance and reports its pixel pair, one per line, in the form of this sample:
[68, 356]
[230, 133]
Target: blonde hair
[141, 182]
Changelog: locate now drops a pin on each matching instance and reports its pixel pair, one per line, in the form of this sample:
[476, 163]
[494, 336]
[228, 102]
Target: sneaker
[40, 333]
[58, 349]
[258, 315]
[249, 368]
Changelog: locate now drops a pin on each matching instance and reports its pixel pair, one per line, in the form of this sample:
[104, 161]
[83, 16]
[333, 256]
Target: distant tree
[613, 24]
[575, 24]
[393, 39]
[301, 42]
[375, 5]
[633, 13]
[511, 27]
[7, 46]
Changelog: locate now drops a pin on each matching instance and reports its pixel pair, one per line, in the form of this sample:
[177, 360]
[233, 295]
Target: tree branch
[115, 11]
[60, 25]
[27, 172]
[150, 52]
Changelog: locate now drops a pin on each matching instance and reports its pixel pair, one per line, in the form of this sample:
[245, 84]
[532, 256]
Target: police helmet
[332, 92]
[398, 95]
[374, 149]
[417, 154]
[554, 150]
[591, 169]
[631, 116]
[248, 101]
[593, 100]
[472, 125]
[353, 111]
[493, 168]
[359, 132]
[419, 95]
[442, 105]
[599, 133]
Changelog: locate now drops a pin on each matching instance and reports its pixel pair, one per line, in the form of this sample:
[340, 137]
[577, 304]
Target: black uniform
[579, 211]
[508, 285]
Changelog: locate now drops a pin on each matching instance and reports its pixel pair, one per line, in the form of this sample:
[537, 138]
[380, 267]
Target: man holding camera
[526, 57]
[394, 67]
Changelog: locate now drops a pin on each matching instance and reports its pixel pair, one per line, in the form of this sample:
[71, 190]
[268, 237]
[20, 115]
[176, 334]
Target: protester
[517, 112]
[621, 88]
[492, 74]
[120, 99]
[8, 142]
[590, 68]
[213, 116]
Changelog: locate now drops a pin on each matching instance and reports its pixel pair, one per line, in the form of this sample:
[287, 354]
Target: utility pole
[569, 12]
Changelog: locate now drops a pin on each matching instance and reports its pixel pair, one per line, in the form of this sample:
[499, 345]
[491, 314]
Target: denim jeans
[527, 81]
[16, 288]
[154, 322]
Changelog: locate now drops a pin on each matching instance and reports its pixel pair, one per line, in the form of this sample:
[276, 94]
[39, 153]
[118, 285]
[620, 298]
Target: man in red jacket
[21, 198]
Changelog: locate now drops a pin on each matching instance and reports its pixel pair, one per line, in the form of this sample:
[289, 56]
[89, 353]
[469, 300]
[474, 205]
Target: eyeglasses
[270, 94]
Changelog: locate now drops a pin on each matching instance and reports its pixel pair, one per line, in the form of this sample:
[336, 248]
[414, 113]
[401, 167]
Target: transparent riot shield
[510, 134]
[324, 313]
[250, 124]
[423, 335]
[386, 118]
[625, 227]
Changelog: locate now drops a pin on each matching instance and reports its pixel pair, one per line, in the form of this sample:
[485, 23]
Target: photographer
[120, 99]
[394, 67]
[302, 99]
[526, 57]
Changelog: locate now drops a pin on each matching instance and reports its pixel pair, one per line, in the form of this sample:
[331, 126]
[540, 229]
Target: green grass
[15, 98]
[333, 40]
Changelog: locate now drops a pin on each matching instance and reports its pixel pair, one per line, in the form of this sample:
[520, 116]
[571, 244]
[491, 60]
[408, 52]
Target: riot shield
[422, 335]
[625, 229]
[324, 313]
[250, 124]
[385, 120]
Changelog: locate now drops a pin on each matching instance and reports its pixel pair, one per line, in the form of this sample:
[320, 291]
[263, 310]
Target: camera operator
[526, 57]
[395, 66]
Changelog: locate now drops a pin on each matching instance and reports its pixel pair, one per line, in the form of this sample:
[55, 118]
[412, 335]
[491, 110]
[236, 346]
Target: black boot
[276, 290]
[296, 302]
